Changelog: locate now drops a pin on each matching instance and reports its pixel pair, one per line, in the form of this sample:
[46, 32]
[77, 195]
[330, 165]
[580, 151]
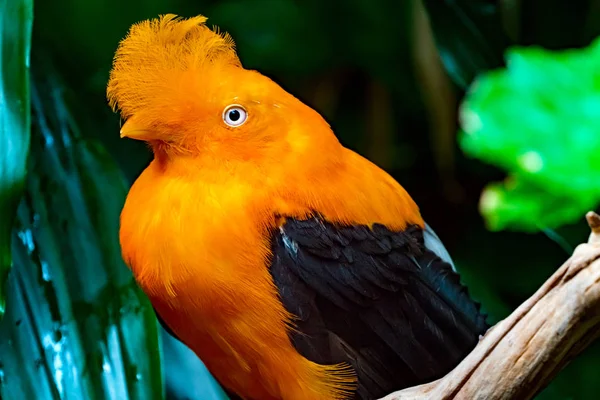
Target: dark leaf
[274, 35]
[469, 35]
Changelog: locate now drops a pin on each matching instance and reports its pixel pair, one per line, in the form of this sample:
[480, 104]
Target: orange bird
[293, 267]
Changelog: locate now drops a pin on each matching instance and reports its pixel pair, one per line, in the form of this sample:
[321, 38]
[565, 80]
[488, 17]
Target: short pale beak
[133, 130]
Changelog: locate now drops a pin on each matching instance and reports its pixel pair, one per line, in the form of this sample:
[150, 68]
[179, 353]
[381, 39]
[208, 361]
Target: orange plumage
[195, 225]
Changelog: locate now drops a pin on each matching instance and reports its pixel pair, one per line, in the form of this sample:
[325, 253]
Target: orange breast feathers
[198, 245]
[196, 225]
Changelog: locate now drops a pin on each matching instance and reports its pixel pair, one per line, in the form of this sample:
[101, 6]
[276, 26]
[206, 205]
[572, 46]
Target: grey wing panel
[433, 243]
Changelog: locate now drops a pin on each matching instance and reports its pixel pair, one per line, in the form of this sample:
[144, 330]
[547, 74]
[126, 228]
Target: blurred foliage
[15, 42]
[515, 117]
[357, 63]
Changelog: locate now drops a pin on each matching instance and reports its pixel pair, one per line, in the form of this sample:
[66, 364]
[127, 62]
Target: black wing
[377, 299]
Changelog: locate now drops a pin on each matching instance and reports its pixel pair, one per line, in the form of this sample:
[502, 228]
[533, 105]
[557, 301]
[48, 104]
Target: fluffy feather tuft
[160, 58]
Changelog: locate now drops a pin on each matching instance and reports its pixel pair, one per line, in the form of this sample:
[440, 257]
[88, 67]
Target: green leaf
[469, 35]
[520, 205]
[538, 119]
[15, 41]
[76, 325]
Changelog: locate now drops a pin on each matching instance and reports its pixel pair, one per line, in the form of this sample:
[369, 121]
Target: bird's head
[181, 87]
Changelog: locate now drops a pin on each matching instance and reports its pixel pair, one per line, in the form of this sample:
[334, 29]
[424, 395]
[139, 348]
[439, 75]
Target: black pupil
[234, 115]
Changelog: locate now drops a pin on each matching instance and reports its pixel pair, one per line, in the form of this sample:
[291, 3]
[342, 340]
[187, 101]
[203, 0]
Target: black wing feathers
[376, 299]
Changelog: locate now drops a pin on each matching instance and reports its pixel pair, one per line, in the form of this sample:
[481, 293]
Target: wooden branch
[520, 355]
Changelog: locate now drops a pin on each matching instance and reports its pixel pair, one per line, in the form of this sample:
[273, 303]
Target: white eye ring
[235, 115]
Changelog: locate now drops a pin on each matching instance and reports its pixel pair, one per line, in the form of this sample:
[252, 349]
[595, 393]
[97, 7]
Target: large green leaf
[15, 41]
[76, 325]
[539, 120]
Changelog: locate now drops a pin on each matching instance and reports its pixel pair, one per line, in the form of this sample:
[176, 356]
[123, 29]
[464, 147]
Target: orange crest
[162, 57]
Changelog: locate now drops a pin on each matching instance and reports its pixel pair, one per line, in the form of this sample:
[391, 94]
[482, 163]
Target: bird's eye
[234, 115]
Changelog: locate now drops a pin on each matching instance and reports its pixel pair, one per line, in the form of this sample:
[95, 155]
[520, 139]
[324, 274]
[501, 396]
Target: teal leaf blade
[16, 18]
[186, 377]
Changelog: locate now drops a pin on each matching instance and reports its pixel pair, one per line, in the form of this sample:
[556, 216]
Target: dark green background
[371, 68]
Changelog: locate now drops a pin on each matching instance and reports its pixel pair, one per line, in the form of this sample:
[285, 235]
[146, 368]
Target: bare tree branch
[520, 355]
